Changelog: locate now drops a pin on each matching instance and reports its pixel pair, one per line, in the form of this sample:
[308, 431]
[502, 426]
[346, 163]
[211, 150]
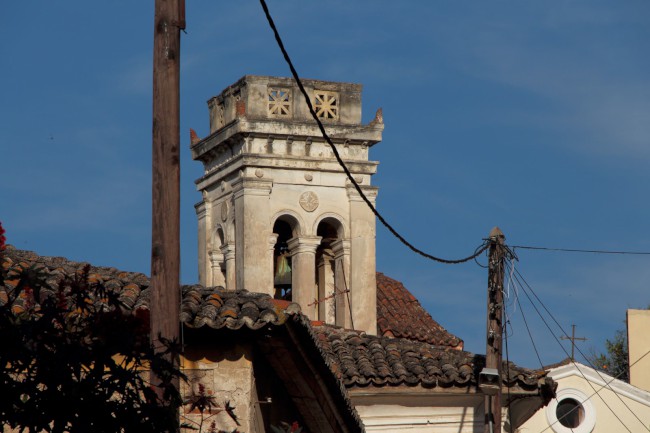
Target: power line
[577, 250]
[530, 335]
[567, 354]
[506, 323]
[532, 340]
[385, 223]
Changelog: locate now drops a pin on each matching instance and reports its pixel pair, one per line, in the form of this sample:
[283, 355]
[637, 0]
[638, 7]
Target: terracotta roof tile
[212, 307]
[354, 357]
[400, 315]
[363, 360]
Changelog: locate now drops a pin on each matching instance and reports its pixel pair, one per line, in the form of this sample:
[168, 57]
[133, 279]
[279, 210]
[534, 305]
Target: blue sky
[533, 116]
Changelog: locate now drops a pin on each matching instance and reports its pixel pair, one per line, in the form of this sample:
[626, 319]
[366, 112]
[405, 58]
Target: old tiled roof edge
[216, 308]
[400, 314]
[362, 360]
[212, 307]
[302, 322]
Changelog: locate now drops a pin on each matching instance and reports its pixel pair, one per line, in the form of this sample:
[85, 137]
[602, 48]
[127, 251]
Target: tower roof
[400, 314]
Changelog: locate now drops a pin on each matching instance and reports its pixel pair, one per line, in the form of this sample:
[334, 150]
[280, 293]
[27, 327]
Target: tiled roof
[212, 307]
[218, 308]
[201, 307]
[362, 360]
[400, 314]
[131, 285]
[356, 358]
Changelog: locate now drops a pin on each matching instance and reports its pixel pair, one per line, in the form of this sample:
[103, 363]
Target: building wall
[227, 376]
[602, 410]
[638, 340]
[421, 412]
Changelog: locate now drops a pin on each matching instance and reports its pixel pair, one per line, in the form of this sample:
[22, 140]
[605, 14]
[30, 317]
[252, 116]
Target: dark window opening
[570, 413]
[282, 261]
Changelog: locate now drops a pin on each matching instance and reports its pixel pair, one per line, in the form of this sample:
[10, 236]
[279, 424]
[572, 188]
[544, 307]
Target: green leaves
[74, 359]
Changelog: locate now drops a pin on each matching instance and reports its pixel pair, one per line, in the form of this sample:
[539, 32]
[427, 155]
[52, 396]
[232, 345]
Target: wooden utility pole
[573, 339]
[493, 357]
[164, 304]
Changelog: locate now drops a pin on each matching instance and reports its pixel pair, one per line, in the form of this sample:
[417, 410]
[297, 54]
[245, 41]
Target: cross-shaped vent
[326, 104]
[279, 102]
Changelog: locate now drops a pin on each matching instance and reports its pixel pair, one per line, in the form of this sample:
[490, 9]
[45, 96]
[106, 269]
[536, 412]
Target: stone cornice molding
[228, 251]
[370, 192]
[602, 380]
[200, 209]
[216, 256]
[340, 248]
[284, 162]
[273, 239]
[251, 186]
[303, 244]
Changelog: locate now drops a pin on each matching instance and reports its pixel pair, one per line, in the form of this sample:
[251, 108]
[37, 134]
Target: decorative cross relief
[326, 104]
[309, 201]
[279, 102]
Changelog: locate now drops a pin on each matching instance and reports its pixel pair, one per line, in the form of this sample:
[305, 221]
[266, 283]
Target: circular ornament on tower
[309, 201]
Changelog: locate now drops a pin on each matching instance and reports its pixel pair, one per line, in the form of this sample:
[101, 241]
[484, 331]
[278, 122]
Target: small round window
[570, 413]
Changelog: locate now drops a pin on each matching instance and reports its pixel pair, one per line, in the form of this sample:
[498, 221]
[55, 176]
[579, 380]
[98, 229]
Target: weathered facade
[290, 321]
[638, 347]
[278, 215]
[271, 364]
[590, 401]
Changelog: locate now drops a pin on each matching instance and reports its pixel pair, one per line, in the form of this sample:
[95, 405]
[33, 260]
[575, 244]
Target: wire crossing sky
[530, 117]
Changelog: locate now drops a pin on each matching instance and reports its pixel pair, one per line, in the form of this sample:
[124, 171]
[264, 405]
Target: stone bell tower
[278, 214]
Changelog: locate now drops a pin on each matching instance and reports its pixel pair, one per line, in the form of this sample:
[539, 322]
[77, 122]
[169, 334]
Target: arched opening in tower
[282, 261]
[329, 275]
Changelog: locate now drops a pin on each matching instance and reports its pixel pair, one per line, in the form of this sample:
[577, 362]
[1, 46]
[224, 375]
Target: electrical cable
[541, 364]
[505, 328]
[385, 223]
[517, 276]
[605, 385]
[532, 340]
[530, 335]
[577, 250]
[580, 351]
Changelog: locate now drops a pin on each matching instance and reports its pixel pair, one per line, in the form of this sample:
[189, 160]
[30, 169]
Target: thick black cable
[577, 250]
[529, 288]
[381, 219]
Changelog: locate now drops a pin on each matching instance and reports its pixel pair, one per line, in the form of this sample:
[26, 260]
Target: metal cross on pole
[573, 339]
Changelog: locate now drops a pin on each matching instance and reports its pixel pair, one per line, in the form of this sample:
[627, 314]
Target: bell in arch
[282, 275]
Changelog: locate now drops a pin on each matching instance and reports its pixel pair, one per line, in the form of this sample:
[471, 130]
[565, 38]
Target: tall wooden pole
[165, 233]
[493, 354]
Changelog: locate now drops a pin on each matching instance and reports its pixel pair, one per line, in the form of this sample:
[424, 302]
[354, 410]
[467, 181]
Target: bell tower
[278, 214]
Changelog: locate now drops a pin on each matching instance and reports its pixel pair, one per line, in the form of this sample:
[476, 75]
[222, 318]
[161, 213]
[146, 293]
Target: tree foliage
[615, 362]
[73, 359]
